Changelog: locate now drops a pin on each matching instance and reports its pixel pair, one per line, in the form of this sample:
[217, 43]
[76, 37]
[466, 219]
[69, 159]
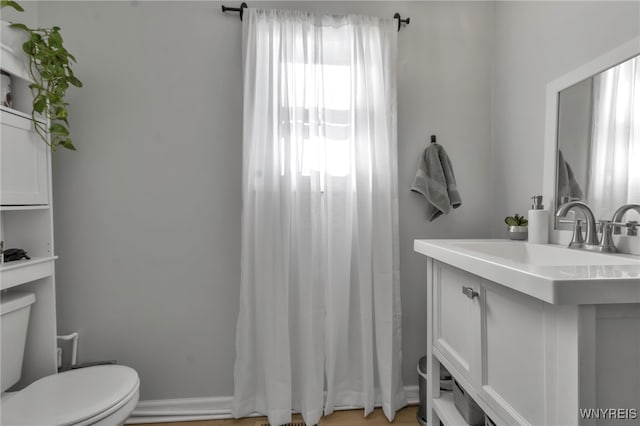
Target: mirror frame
[610, 59]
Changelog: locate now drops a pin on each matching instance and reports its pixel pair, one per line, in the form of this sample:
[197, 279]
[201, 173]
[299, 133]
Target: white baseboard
[183, 409]
[413, 395]
[187, 409]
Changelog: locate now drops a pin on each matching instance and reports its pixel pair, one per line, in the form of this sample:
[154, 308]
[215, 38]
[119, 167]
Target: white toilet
[103, 395]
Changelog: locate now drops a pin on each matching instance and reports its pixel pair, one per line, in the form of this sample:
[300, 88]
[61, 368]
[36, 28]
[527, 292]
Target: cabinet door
[456, 327]
[514, 355]
[23, 163]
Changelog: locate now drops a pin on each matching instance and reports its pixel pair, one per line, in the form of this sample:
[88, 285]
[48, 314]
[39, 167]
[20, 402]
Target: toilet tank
[14, 310]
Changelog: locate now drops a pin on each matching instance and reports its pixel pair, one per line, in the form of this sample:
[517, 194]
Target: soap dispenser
[538, 222]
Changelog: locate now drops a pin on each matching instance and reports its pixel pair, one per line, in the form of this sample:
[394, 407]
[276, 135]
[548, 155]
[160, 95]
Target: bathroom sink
[552, 273]
[542, 254]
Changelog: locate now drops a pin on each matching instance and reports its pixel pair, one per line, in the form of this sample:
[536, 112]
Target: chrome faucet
[613, 226]
[607, 227]
[631, 225]
[591, 240]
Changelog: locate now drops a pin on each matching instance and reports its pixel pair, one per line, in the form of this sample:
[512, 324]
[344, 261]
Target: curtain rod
[243, 6]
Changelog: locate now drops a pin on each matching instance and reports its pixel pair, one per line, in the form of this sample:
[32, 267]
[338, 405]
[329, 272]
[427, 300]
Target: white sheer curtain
[319, 322]
[614, 179]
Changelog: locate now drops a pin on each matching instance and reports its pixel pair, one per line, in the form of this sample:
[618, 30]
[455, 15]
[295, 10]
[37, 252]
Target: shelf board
[7, 266]
[15, 112]
[20, 113]
[23, 208]
[25, 271]
[447, 411]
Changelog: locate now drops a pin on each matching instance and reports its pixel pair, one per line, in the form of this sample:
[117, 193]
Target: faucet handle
[606, 242]
[631, 226]
[601, 224]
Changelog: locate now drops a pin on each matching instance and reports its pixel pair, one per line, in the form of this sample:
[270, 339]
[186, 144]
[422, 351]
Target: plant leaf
[67, 144]
[61, 112]
[39, 104]
[58, 128]
[12, 4]
[27, 47]
[75, 81]
[19, 26]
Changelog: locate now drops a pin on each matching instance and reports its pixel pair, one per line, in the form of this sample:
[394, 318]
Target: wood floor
[404, 417]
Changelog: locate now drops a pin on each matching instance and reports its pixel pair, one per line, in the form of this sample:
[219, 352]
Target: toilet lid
[71, 397]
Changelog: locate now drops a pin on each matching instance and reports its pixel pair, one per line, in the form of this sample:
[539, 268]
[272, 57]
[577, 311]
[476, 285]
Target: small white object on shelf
[5, 97]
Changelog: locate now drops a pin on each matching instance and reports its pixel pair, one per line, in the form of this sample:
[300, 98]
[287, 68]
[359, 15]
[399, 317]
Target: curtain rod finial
[400, 20]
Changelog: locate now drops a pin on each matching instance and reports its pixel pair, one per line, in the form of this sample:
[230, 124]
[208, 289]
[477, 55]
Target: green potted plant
[517, 227]
[50, 70]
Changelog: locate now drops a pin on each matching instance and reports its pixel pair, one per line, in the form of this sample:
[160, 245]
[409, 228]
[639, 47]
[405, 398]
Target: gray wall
[535, 43]
[147, 212]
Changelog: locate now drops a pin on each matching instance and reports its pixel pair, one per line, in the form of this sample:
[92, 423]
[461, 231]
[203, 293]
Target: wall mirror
[598, 158]
[592, 150]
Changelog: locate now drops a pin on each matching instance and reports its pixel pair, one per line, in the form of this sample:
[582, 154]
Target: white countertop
[552, 273]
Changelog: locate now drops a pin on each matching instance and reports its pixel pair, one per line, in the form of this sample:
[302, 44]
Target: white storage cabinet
[26, 222]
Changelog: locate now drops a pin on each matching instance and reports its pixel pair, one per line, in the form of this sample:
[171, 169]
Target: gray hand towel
[567, 183]
[436, 182]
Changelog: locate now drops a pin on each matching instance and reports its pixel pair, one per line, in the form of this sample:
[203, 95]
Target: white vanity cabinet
[492, 340]
[526, 361]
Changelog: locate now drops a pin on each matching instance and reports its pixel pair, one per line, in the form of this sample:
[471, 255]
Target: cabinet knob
[469, 292]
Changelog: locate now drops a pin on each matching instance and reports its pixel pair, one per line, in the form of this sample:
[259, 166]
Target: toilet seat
[76, 397]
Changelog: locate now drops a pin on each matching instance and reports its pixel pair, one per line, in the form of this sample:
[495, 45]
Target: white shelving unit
[26, 222]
